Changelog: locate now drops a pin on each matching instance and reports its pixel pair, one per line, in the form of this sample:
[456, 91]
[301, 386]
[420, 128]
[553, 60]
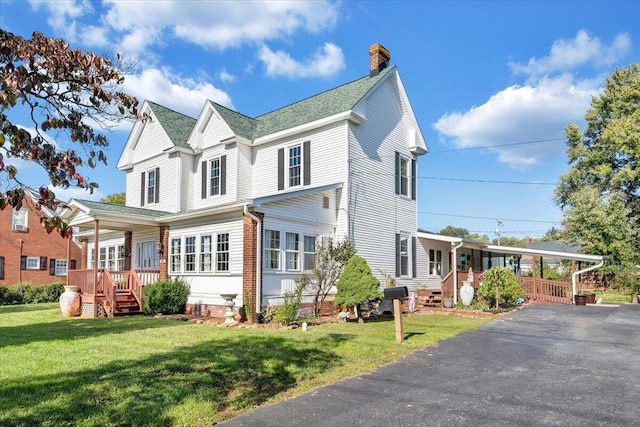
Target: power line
[488, 218]
[497, 145]
[437, 178]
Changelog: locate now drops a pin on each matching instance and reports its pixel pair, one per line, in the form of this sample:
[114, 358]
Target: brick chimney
[379, 58]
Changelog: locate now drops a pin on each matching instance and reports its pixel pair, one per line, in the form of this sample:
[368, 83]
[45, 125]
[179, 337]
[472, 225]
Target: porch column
[96, 238]
[162, 253]
[249, 264]
[127, 250]
[84, 251]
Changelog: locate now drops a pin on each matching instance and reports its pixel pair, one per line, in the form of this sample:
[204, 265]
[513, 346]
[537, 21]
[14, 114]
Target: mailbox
[398, 292]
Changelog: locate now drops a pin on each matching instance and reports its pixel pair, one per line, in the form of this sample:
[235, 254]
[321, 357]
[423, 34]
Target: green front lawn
[141, 371]
[614, 297]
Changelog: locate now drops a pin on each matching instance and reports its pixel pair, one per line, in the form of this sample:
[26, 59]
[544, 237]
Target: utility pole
[499, 231]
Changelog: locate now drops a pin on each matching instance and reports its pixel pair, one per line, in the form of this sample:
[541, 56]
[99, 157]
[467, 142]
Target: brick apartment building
[27, 252]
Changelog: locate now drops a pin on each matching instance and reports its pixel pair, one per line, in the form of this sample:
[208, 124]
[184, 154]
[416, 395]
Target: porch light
[159, 247]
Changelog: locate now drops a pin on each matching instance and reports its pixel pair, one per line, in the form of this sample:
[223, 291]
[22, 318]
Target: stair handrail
[137, 288]
[109, 291]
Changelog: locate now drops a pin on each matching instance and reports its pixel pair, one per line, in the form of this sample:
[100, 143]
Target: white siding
[196, 187]
[327, 160]
[243, 170]
[216, 130]
[375, 211]
[169, 182]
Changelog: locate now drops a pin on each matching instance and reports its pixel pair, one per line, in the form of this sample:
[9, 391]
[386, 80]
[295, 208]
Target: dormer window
[150, 187]
[214, 177]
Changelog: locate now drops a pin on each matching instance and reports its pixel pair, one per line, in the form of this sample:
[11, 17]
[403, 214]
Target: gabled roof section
[110, 209]
[177, 125]
[240, 124]
[325, 104]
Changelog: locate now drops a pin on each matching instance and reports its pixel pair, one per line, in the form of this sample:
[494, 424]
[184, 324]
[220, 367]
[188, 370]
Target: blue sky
[478, 74]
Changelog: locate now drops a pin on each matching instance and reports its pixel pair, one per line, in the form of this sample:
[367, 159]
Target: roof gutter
[574, 276]
[258, 258]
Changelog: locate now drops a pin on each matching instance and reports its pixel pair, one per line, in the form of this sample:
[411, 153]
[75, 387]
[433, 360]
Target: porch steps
[126, 304]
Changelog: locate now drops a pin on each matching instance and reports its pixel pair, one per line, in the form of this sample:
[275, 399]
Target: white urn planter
[70, 301]
[466, 293]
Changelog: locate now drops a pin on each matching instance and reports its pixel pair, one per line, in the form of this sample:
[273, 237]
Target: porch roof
[80, 213]
[509, 250]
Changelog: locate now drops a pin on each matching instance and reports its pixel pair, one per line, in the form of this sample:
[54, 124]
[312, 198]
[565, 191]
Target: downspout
[455, 272]
[574, 277]
[258, 256]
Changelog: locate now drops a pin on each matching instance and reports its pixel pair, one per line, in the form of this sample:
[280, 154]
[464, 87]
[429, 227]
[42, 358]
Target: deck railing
[547, 290]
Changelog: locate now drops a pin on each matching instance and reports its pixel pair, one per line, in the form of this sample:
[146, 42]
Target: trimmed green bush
[166, 297]
[500, 285]
[26, 293]
[356, 283]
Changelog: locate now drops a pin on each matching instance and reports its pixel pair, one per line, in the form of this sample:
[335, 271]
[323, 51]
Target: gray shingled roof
[177, 125]
[122, 210]
[325, 104]
[553, 246]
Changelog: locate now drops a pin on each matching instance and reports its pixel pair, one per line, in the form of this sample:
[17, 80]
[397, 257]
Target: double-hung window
[60, 267]
[33, 263]
[292, 251]
[272, 249]
[222, 252]
[176, 254]
[190, 254]
[206, 248]
[120, 260]
[215, 177]
[151, 186]
[404, 176]
[295, 165]
[309, 252]
[102, 261]
[404, 256]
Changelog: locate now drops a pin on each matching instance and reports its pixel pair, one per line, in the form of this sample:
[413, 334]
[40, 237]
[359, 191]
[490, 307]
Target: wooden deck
[105, 293]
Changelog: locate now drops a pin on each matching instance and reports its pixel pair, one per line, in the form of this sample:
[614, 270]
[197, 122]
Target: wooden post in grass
[397, 316]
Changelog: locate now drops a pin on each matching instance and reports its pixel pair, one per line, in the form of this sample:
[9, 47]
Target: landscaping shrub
[166, 297]
[288, 311]
[23, 293]
[500, 285]
[356, 284]
[26, 293]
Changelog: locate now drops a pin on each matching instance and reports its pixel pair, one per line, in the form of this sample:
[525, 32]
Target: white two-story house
[236, 204]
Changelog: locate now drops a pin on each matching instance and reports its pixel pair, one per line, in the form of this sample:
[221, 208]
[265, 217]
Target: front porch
[105, 293]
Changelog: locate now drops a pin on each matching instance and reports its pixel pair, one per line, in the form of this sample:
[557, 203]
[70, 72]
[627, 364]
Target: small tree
[331, 256]
[356, 284]
[500, 285]
[115, 199]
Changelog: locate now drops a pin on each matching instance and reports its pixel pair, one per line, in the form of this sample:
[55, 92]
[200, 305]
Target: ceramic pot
[448, 302]
[70, 301]
[466, 293]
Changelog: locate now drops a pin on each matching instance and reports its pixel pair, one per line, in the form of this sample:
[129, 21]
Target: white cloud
[221, 24]
[570, 54]
[63, 15]
[325, 62]
[226, 77]
[66, 194]
[521, 114]
[181, 94]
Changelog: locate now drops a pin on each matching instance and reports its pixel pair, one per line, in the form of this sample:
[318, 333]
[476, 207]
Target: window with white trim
[111, 261]
[151, 186]
[222, 252]
[206, 250]
[33, 263]
[61, 267]
[292, 251]
[19, 219]
[435, 262]
[214, 180]
[272, 249]
[404, 256]
[120, 259]
[91, 258]
[176, 255]
[190, 254]
[147, 255]
[295, 165]
[309, 252]
[404, 176]
[102, 258]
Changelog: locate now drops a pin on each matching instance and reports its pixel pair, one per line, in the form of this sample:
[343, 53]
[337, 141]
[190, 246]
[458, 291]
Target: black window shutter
[397, 173]
[1, 267]
[23, 262]
[281, 169]
[157, 198]
[306, 157]
[223, 175]
[398, 255]
[142, 189]
[43, 263]
[413, 180]
[203, 190]
[414, 257]
[73, 264]
[52, 267]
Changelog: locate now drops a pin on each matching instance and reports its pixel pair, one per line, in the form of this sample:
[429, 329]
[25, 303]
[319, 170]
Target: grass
[614, 297]
[142, 371]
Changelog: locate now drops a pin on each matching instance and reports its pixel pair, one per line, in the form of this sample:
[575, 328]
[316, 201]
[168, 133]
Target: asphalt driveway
[542, 365]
